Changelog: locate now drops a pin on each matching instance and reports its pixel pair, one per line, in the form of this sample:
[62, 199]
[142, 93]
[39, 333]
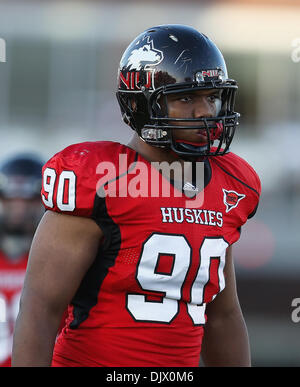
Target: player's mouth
[202, 135]
[200, 142]
[199, 136]
[196, 137]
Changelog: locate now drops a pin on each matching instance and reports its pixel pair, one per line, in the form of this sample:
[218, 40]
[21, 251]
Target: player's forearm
[34, 339]
[226, 343]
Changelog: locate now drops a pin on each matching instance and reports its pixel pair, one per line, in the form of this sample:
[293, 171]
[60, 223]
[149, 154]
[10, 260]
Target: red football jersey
[12, 275]
[142, 302]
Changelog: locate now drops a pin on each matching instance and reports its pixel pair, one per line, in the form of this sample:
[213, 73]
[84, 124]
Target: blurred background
[57, 87]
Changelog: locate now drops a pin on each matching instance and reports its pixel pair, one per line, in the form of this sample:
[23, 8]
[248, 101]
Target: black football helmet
[20, 177]
[20, 203]
[175, 59]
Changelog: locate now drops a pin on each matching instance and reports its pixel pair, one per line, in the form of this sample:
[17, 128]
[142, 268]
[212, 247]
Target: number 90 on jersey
[171, 284]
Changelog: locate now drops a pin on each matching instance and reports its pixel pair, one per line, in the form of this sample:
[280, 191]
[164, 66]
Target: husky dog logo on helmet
[231, 199]
[144, 56]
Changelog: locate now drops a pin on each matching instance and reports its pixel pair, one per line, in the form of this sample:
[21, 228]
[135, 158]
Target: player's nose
[202, 109]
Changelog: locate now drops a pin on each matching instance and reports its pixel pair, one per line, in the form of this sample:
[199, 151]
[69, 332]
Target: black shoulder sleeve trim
[86, 296]
[253, 212]
[236, 178]
[132, 166]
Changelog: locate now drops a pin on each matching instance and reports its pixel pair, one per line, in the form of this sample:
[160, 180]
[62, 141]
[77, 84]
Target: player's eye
[185, 99]
[213, 98]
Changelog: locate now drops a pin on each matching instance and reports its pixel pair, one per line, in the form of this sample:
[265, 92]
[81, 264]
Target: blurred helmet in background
[20, 204]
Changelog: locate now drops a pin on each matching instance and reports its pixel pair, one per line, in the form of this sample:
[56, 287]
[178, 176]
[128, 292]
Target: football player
[20, 212]
[148, 277]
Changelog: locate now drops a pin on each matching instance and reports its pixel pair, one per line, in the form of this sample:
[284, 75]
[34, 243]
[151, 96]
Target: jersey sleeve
[257, 187]
[253, 181]
[244, 184]
[69, 181]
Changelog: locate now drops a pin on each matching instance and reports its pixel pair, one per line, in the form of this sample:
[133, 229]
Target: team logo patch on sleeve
[231, 199]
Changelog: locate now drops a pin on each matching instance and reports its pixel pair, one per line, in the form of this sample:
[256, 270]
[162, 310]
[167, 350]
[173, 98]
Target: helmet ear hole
[133, 105]
[134, 109]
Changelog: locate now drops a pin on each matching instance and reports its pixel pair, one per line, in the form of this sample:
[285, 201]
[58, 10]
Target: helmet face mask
[168, 60]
